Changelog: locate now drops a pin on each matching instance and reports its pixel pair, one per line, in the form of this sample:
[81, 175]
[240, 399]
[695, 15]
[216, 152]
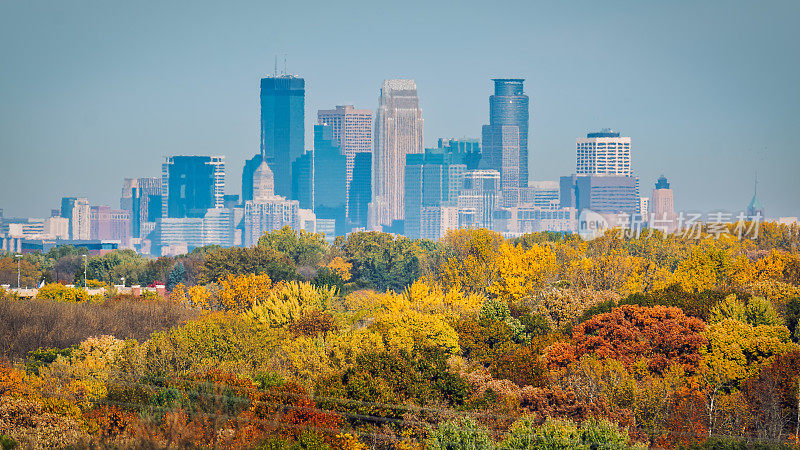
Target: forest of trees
[378, 341]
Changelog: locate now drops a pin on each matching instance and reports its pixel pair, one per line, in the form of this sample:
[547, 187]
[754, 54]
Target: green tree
[176, 275]
[302, 247]
[457, 434]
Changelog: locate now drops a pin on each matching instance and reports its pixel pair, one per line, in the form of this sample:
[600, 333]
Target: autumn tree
[659, 335]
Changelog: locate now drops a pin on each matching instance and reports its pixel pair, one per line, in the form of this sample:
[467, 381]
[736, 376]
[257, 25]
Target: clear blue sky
[92, 92]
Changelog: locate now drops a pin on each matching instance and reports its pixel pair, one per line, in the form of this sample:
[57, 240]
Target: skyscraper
[352, 129]
[662, 206]
[191, 185]
[282, 126]
[398, 132]
[80, 224]
[505, 139]
[604, 153]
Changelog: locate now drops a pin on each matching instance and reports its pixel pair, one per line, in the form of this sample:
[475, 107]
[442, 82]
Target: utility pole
[19, 259]
[85, 286]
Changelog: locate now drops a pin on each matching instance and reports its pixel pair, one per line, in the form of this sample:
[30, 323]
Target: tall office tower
[505, 139]
[360, 193]
[663, 202]
[432, 179]
[191, 185]
[604, 194]
[80, 224]
[303, 180]
[330, 187]
[604, 153]
[398, 132]
[67, 205]
[282, 126]
[465, 151]
[478, 198]
[352, 128]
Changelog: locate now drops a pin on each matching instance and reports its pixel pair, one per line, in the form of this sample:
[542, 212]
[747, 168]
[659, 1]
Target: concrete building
[398, 132]
[267, 211]
[542, 194]
[662, 207]
[80, 224]
[478, 198]
[601, 194]
[56, 228]
[352, 129]
[604, 153]
[518, 220]
[436, 221]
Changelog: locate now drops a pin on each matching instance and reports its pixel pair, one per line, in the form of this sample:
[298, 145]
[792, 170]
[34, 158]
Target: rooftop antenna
[275, 72]
[285, 72]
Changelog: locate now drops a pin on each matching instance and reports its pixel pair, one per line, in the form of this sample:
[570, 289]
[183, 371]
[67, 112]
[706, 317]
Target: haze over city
[94, 92]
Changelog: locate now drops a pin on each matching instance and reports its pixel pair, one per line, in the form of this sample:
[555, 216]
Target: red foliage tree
[661, 335]
[289, 410]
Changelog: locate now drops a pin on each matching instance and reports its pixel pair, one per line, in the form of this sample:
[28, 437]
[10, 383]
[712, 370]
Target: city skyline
[692, 89]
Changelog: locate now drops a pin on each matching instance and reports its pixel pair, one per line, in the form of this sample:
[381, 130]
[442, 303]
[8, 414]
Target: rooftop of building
[605, 132]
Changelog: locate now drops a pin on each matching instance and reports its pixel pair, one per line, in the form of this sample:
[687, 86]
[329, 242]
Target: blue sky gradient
[92, 92]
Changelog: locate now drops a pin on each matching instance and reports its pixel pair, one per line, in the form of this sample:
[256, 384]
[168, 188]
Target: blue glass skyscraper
[505, 139]
[282, 127]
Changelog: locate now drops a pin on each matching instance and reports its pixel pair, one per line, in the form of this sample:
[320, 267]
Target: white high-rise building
[398, 132]
[267, 211]
[81, 219]
[604, 153]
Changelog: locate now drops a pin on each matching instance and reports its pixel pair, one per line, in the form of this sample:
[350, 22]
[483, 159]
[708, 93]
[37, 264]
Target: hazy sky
[93, 92]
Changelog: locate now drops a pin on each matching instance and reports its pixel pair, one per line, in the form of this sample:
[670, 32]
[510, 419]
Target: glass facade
[508, 109]
[330, 179]
[193, 185]
[282, 127]
[360, 191]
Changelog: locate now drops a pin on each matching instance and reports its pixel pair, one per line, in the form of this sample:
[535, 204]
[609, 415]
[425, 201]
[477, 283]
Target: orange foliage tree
[660, 335]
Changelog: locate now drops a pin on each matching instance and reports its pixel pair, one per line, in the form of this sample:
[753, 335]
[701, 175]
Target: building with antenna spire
[755, 208]
[282, 126]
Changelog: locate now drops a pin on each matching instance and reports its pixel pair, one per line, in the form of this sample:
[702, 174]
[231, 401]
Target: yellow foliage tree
[472, 268]
[341, 267]
[521, 273]
[413, 331]
[243, 291]
[288, 301]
